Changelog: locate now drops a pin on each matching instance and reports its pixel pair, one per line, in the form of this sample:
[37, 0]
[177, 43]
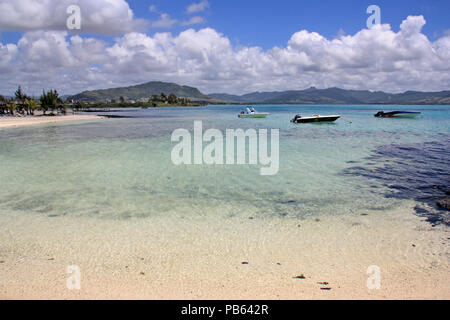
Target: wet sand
[9, 122]
[218, 258]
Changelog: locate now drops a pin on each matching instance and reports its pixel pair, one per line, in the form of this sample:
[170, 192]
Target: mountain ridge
[337, 96]
[311, 95]
[140, 91]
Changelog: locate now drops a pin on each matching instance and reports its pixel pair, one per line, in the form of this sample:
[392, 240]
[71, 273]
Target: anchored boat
[316, 118]
[397, 114]
[251, 113]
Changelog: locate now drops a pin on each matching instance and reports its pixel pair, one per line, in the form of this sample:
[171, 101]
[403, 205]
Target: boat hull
[397, 114]
[316, 119]
[255, 116]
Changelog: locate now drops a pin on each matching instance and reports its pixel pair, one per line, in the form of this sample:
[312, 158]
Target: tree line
[50, 102]
[162, 98]
[23, 104]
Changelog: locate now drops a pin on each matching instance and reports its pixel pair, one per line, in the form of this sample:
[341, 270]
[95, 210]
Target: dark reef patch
[413, 171]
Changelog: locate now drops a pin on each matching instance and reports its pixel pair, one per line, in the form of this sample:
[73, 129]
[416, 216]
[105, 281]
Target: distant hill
[337, 96]
[137, 92]
[308, 96]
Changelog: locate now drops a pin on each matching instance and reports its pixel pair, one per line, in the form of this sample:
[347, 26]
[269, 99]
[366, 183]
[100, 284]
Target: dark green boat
[397, 114]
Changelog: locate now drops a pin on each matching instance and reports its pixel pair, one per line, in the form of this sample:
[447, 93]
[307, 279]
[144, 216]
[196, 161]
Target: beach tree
[172, 98]
[20, 96]
[78, 106]
[12, 108]
[31, 105]
[163, 97]
[2, 104]
[44, 104]
[49, 100]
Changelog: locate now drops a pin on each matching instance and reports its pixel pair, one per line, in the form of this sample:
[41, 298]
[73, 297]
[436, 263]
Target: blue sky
[272, 23]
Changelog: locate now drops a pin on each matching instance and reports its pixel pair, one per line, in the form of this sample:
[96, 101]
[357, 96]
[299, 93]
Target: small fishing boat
[316, 118]
[251, 113]
[397, 114]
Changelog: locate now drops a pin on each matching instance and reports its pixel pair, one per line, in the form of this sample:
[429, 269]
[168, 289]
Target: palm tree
[21, 97]
[32, 105]
[12, 108]
[19, 94]
[49, 100]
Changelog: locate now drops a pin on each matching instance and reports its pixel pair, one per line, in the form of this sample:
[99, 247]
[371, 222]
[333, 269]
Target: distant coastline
[157, 92]
[161, 94]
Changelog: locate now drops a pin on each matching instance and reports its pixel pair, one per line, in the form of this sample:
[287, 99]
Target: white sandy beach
[202, 258]
[9, 122]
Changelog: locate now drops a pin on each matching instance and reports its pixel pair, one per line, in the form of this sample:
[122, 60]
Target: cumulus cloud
[197, 7]
[375, 59]
[193, 20]
[7, 54]
[100, 16]
[165, 21]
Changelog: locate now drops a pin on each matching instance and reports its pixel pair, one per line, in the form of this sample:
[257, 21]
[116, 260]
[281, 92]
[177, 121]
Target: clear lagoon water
[122, 168]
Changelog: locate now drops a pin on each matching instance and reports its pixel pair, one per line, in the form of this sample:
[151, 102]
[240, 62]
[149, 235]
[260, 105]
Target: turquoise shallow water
[121, 168]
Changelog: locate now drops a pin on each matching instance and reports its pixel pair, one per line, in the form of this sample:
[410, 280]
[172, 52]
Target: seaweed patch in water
[413, 171]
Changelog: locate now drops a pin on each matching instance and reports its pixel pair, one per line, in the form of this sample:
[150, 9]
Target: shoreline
[12, 122]
[215, 258]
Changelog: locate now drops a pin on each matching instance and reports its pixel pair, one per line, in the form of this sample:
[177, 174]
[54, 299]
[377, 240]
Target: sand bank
[204, 258]
[8, 122]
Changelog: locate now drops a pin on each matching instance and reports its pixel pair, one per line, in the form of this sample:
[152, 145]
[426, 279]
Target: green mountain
[308, 96]
[141, 91]
[337, 96]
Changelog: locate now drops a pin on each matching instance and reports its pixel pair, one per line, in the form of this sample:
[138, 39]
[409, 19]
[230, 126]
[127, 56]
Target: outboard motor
[379, 114]
[296, 118]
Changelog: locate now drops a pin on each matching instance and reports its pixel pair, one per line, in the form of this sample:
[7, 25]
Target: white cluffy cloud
[198, 7]
[166, 22]
[99, 16]
[375, 59]
[193, 20]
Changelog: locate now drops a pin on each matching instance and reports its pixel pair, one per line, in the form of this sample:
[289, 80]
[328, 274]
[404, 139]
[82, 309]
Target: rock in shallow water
[444, 203]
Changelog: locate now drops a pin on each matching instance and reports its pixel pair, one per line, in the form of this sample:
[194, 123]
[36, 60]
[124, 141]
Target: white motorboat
[251, 113]
[316, 118]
